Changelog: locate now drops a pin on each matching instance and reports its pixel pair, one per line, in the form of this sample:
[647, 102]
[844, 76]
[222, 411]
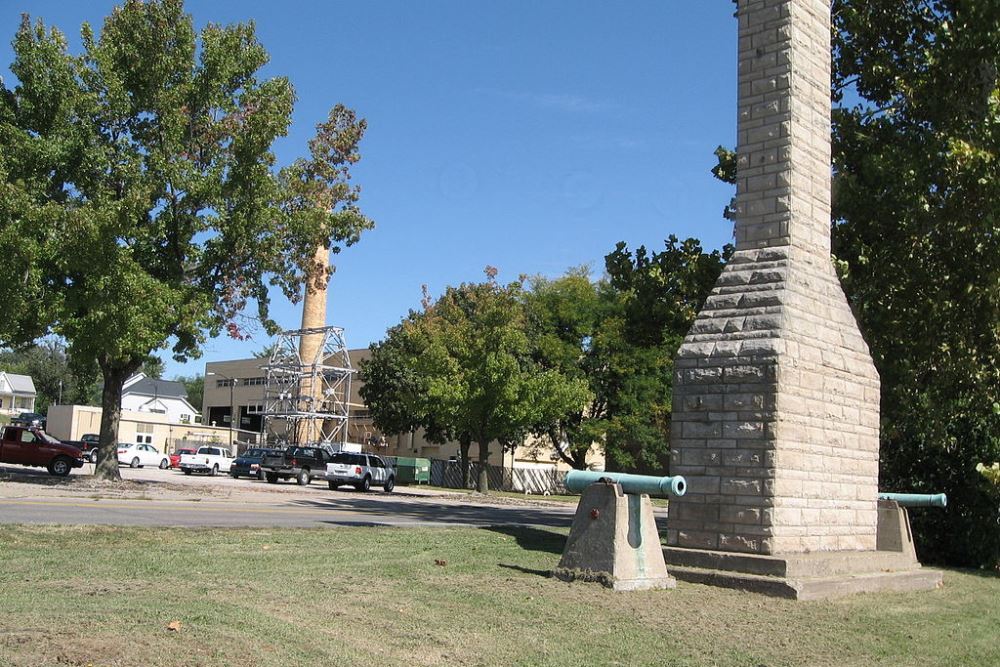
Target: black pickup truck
[88, 444]
[300, 462]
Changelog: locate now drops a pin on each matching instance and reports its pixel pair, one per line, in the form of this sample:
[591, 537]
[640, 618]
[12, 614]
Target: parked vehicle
[300, 463]
[248, 463]
[360, 471]
[175, 458]
[211, 459]
[32, 446]
[29, 419]
[88, 444]
[137, 456]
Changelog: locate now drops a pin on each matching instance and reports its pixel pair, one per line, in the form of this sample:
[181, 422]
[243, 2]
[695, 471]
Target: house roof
[20, 384]
[147, 386]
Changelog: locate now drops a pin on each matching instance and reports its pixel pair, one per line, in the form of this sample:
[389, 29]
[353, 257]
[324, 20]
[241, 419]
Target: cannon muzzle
[578, 480]
[917, 499]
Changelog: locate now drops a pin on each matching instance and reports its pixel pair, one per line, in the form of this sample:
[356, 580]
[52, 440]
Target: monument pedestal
[812, 576]
[817, 575]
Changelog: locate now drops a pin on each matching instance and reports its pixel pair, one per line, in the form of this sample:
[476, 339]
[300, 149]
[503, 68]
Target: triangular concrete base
[614, 542]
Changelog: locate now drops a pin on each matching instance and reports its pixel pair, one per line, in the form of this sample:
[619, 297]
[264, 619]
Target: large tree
[917, 234]
[53, 374]
[480, 372]
[570, 321]
[661, 292]
[462, 369]
[139, 203]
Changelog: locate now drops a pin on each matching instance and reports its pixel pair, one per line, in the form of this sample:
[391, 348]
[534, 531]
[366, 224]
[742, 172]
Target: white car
[137, 456]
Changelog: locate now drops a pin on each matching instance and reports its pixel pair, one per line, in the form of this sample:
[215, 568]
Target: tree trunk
[463, 444]
[111, 412]
[483, 483]
[577, 462]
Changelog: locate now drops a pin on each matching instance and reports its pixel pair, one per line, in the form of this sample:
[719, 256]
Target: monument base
[810, 576]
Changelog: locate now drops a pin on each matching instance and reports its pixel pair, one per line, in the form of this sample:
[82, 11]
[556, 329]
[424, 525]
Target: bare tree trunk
[111, 412]
[483, 483]
[463, 444]
[313, 317]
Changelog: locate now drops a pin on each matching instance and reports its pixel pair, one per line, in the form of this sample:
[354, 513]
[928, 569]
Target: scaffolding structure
[307, 401]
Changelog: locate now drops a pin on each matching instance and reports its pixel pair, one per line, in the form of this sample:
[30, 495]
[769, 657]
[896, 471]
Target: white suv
[360, 471]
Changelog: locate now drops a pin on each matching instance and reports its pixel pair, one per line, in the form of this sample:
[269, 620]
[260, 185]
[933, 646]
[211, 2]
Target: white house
[165, 397]
[17, 393]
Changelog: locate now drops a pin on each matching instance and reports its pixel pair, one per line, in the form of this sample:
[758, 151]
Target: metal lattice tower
[309, 392]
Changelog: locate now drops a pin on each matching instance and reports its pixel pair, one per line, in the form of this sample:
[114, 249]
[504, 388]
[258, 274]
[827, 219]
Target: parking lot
[153, 497]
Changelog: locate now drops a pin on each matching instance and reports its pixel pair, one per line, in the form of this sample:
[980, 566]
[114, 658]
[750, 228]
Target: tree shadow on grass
[533, 539]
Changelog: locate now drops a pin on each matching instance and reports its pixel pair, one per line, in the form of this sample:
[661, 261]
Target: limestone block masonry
[776, 399]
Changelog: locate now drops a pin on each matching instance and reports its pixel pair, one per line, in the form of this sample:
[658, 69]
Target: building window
[144, 434]
[255, 408]
[256, 382]
[185, 419]
[219, 384]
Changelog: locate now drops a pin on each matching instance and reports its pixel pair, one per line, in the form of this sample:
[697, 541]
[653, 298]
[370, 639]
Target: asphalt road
[167, 498]
[294, 513]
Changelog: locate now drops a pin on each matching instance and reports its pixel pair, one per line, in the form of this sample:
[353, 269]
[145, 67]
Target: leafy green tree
[480, 373]
[661, 294]
[138, 198]
[991, 473]
[917, 234]
[54, 378]
[396, 393]
[567, 321]
[153, 367]
[462, 369]
[195, 388]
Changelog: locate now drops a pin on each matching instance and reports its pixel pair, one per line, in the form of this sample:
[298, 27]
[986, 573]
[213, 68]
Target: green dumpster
[410, 470]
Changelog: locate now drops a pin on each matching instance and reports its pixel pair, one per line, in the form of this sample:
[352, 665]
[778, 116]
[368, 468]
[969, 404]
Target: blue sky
[527, 135]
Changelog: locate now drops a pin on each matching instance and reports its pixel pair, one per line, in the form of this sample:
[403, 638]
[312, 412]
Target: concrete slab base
[811, 576]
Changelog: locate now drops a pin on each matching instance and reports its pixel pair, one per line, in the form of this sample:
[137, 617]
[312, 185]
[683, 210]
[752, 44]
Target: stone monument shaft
[776, 399]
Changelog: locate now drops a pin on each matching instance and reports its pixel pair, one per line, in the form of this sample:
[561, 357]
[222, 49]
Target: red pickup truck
[31, 446]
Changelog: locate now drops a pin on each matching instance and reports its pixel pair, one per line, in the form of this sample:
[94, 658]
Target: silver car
[360, 471]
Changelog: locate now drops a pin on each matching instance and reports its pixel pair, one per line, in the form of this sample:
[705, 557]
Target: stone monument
[776, 399]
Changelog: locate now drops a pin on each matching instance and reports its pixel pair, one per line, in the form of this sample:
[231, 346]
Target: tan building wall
[534, 453]
[71, 422]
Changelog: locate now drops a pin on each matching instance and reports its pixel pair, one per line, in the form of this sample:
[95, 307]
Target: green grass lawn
[375, 596]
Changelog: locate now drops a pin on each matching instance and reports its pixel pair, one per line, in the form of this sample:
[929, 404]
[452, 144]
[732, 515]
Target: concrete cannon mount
[614, 542]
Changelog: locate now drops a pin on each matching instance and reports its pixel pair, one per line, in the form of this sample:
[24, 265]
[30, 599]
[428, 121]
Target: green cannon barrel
[578, 480]
[917, 499]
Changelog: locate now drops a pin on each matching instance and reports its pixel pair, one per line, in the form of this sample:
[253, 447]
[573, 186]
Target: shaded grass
[375, 596]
